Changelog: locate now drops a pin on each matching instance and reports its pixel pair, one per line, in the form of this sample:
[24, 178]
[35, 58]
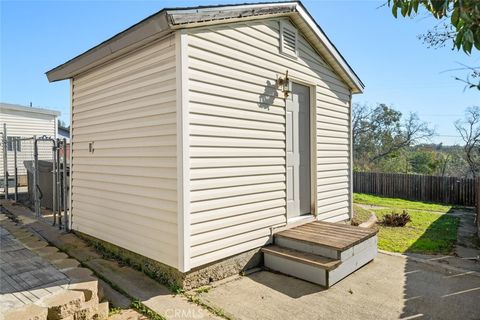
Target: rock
[370, 223]
[103, 311]
[63, 304]
[88, 310]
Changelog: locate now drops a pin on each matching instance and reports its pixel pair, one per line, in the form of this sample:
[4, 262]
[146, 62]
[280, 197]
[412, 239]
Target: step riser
[307, 247]
[353, 259]
[363, 254]
[293, 268]
[371, 242]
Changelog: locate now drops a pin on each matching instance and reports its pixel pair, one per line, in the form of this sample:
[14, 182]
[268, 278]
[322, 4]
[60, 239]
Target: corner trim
[70, 200]
[183, 151]
[350, 156]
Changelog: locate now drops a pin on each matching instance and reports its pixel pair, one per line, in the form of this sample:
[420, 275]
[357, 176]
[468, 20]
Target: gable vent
[288, 40]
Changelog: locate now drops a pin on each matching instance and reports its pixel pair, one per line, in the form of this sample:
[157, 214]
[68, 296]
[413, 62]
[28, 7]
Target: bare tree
[361, 114]
[469, 130]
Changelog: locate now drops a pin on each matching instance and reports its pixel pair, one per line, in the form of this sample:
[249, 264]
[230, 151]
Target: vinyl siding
[26, 125]
[237, 136]
[125, 192]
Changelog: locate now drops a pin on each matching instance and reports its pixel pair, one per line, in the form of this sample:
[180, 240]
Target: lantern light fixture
[284, 84]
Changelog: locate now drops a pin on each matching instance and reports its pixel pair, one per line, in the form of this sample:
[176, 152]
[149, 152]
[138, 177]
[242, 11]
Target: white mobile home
[198, 134]
[25, 122]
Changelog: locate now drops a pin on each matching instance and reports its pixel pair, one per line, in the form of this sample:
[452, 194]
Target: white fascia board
[230, 7]
[331, 49]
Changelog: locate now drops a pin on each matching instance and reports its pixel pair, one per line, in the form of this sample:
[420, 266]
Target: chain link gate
[37, 165]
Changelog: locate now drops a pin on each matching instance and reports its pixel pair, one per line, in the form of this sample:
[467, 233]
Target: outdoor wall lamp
[284, 84]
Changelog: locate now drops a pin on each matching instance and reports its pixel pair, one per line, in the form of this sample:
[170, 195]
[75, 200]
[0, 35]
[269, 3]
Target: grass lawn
[428, 232]
[398, 203]
[360, 214]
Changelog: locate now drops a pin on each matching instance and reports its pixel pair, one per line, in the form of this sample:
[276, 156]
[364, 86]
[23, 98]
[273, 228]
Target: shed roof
[171, 19]
[17, 107]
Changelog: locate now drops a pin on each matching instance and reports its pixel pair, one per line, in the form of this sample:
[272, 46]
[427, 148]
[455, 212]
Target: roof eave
[340, 64]
[168, 20]
[149, 29]
[20, 108]
[192, 18]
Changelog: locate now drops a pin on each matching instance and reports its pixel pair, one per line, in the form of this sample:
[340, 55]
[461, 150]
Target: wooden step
[339, 237]
[321, 252]
[299, 266]
[302, 257]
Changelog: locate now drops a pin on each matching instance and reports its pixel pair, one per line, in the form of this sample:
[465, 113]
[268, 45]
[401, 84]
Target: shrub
[395, 219]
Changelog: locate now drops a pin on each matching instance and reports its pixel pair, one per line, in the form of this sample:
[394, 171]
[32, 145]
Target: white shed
[186, 148]
[25, 122]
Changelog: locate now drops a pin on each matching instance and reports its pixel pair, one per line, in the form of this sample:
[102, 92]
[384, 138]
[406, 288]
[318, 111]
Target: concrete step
[63, 304]
[322, 253]
[27, 312]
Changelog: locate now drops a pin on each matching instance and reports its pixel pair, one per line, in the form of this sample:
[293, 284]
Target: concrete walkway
[390, 287]
[25, 276]
[133, 284]
[37, 281]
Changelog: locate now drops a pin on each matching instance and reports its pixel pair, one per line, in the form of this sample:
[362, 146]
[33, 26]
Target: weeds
[395, 219]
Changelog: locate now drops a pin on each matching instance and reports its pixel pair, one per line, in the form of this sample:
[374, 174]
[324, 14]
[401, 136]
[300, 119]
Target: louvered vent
[288, 38]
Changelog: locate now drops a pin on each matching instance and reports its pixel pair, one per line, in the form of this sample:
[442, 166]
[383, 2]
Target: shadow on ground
[289, 286]
[419, 300]
[430, 293]
[390, 287]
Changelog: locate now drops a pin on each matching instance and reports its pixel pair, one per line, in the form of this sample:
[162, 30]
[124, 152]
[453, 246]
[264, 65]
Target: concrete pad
[390, 287]
[27, 312]
[127, 315]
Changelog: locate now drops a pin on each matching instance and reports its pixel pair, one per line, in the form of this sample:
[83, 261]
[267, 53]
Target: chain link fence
[34, 170]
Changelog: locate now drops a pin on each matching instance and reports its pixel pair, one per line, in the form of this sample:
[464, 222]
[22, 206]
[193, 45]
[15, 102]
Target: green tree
[381, 134]
[464, 16]
[424, 162]
[460, 24]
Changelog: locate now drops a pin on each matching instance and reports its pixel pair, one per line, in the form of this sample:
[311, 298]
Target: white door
[298, 151]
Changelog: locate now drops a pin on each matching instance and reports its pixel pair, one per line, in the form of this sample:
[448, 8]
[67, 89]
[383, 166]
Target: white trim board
[183, 152]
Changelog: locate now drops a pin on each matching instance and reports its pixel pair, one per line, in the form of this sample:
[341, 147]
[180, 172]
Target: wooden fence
[451, 190]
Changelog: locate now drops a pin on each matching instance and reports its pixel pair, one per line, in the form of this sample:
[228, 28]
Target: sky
[396, 67]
